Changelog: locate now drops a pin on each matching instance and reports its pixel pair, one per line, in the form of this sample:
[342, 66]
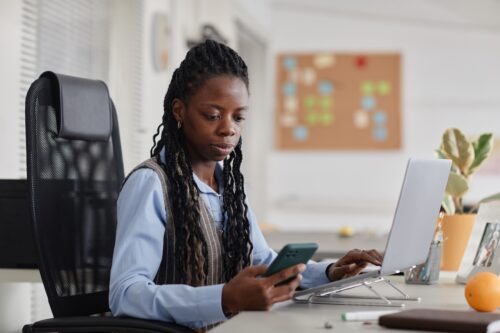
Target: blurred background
[446, 74]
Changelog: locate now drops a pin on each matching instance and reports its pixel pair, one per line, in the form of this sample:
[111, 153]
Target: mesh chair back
[74, 183]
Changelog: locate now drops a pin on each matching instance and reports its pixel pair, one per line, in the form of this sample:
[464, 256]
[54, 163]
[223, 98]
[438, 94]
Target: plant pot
[456, 232]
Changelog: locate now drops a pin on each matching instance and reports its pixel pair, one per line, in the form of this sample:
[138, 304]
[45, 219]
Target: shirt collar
[205, 188]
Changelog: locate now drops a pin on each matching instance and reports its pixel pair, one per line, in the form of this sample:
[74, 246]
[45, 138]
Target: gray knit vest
[167, 272]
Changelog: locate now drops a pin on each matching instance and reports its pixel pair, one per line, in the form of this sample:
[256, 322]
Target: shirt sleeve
[137, 256]
[315, 273]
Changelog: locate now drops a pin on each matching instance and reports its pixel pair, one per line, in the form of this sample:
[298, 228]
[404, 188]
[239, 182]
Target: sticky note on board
[289, 63]
[308, 76]
[384, 88]
[379, 118]
[367, 87]
[289, 89]
[324, 60]
[300, 133]
[289, 120]
[325, 87]
[312, 118]
[326, 103]
[368, 102]
[291, 104]
[380, 133]
[361, 119]
[327, 118]
[310, 102]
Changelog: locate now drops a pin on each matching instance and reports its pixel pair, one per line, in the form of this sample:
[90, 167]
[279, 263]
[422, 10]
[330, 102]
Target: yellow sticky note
[324, 60]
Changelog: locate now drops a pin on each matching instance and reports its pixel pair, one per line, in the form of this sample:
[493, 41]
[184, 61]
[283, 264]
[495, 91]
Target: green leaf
[482, 149]
[457, 185]
[448, 205]
[459, 149]
[493, 197]
[440, 153]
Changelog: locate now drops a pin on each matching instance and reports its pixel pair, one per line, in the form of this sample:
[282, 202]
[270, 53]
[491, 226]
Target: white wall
[15, 298]
[255, 15]
[10, 46]
[451, 77]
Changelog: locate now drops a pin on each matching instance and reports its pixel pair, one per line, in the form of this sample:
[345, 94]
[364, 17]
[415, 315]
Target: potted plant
[466, 156]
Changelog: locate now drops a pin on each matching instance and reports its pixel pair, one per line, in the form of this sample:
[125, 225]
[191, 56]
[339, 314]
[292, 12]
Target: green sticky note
[326, 103]
[367, 87]
[327, 118]
[384, 88]
[312, 118]
[309, 102]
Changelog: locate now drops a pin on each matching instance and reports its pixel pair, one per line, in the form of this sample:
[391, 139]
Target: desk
[22, 299]
[19, 275]
[331, 245]
[290, 317]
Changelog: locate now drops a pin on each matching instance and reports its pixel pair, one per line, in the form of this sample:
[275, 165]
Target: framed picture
[483, 250]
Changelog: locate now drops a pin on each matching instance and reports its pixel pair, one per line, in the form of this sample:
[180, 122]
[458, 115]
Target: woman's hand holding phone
[259, 287]
[248, 290]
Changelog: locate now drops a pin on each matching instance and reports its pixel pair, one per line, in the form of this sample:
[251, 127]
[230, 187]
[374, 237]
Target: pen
[364, 315]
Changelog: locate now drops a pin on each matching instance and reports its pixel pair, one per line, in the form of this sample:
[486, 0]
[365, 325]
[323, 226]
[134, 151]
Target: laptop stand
[333, 295]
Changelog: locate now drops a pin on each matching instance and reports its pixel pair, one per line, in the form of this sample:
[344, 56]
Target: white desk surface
[290, 317]
[19, 275]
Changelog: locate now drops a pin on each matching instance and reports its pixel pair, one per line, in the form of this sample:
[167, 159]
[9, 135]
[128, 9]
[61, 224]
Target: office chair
[75, 170]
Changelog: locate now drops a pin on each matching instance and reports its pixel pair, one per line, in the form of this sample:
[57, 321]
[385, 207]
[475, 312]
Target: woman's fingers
[361, 256]
[285, 274]
[348, 270]
[285, 292]
[338, 272]
[254, 271]
[374, 253]
[370, 257]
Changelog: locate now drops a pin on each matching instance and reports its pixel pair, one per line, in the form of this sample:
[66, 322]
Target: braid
[236, 209]
[202, 62]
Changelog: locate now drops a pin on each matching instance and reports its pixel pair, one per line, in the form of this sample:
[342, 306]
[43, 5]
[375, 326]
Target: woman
[188, 247]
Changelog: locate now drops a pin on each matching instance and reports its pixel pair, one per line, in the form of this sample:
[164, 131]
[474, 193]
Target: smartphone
[290, 255]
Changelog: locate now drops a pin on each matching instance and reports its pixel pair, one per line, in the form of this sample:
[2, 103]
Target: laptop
[413, 224]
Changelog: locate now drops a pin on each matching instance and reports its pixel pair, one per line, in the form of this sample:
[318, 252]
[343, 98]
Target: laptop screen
[413, 224]
[416, 214]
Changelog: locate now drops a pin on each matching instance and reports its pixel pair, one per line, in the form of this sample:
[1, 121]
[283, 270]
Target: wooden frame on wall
[342, 101]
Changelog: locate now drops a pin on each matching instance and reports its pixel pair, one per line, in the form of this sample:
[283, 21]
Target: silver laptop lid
[413, 223]
[416, 214]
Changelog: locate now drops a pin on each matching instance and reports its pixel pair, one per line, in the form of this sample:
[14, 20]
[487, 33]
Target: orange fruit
[482, 292]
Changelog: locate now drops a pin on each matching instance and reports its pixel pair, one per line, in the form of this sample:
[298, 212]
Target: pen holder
[428, 272]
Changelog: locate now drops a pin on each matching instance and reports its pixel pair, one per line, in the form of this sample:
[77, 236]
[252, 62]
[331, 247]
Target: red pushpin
[360, 62]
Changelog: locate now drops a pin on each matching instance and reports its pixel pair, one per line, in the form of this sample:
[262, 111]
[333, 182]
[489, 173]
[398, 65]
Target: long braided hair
[202, 62]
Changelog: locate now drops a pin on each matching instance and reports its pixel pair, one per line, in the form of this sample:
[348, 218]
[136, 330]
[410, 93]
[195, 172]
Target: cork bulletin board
[338, 101]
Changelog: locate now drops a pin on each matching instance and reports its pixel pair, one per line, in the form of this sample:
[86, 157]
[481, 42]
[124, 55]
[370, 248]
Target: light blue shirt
[139, 249]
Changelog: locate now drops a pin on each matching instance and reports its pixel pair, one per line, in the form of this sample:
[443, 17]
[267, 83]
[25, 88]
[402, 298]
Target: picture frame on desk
[482, 253]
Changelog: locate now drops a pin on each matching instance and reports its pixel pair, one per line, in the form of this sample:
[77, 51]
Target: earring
[179, 125]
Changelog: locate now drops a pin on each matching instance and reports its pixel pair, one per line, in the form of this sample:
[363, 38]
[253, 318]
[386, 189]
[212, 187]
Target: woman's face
[213, 118]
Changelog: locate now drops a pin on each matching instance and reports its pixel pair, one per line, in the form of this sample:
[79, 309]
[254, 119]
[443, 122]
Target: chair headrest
[83, 106]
